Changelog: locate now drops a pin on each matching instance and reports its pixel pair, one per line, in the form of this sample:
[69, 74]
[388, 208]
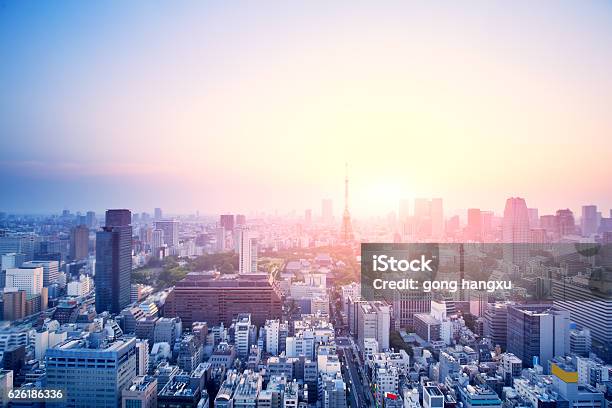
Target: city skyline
[305, 204]
[219, 102]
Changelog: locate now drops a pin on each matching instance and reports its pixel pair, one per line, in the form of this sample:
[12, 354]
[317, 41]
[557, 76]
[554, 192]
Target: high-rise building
[50, 270]
[538, 333]
[589, 222]
[157, 214]
[327, 211]
[14, 304]
[29, 280]
[247, 251]
[92, 375]
[227, 221]
[242, 330]
[157, 239]
[474, 224]
[496, 323]
[189, 353]
[170, 228]
[145, 234]
[21, 244]
[272, 333]
[589, 308]
[114, 262]
[566, 225]
[91, 220]
[79, 242]
[487, 221]
[220, 239]
[374, 319]
[515, 231]
[11, 260]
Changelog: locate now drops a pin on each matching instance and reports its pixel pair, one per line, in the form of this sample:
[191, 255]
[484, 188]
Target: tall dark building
[114, 262]
[79, 242]
[157, 214]
[118, 218]
[537, 333]
[227, 221]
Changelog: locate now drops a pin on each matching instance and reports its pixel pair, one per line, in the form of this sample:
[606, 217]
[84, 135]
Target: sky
[257, 106]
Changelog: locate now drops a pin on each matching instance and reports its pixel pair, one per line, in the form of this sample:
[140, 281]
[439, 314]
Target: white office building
[28, 279]
[247, 251]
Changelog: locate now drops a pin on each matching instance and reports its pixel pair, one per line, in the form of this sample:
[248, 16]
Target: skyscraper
[373, 319]
[91, 375]
[515, 231]
[91, 219]
[566, 225]
[170, 228]
[496, 323]
[114, 262]
[157, 240]
[227, 221]
[14, 304]
[157, 214]
[220, 239]
[29, 279]
[242, 328]
[79, 242]
[589, 308]
[537, 331]
[474, 224]
[50, 270]
[247, 251]
[589, 220]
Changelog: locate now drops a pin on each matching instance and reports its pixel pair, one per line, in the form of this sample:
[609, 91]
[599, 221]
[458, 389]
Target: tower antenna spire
[347, 229]
[346, 186]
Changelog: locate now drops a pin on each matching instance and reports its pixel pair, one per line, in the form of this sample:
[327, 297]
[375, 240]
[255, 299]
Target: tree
[396, 342]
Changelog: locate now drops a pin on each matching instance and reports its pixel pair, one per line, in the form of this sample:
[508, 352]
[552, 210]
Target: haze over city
[199, 106]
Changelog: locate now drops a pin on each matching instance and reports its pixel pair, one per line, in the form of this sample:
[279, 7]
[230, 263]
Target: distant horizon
[299, 213]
